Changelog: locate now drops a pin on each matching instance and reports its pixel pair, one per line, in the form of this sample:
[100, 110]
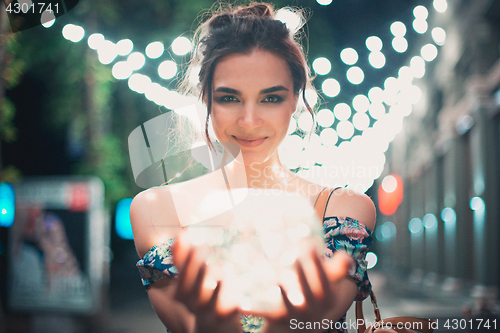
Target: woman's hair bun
[259, 10]
[220, 21]
[255, 11]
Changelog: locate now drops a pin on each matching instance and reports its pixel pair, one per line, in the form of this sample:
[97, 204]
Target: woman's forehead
[256, 69]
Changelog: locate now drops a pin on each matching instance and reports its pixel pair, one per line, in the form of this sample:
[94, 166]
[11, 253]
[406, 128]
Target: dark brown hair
[241, 30]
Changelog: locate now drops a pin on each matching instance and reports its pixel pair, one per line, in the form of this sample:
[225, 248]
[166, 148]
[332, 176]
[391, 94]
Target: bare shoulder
[153, 218]
[349, 203]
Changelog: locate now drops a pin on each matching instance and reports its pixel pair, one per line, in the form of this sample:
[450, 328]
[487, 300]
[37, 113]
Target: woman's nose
[250, 116]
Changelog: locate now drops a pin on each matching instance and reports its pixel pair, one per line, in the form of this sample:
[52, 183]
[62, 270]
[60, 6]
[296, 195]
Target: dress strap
[322, 202]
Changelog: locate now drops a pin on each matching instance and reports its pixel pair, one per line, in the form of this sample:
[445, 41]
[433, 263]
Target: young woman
[252, 74]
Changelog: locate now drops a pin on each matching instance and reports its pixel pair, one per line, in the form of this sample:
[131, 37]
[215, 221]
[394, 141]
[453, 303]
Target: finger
[338, 266]
[213, 299]
[323, 278]
[198, 282]
[180, 250]
[304, 284]
[182, 277]
[288, 305]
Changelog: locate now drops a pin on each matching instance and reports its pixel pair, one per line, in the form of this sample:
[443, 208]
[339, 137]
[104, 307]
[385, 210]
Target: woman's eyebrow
[273, 89]
[264, 91]
[227, 90]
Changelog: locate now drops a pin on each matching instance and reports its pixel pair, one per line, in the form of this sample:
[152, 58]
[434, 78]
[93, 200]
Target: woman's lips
[250, 142]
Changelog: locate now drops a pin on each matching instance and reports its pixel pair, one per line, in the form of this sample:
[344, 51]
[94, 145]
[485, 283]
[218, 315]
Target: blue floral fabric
[341, 233]
[353, 237]
[157, 263]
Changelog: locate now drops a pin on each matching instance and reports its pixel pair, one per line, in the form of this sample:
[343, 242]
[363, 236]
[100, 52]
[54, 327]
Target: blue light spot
[123, 226]
[371, 259]
[415, 225]
[430, 221]
[477, 203]
[7, 205]
[448, 214]
[386, 231]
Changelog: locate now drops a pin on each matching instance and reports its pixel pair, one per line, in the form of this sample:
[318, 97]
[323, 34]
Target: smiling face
[252, 103]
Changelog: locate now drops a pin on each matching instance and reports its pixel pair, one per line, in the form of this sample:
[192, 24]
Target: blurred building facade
[448, 155]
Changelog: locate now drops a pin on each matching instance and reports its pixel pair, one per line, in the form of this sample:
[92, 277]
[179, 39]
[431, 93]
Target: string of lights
[377, 115]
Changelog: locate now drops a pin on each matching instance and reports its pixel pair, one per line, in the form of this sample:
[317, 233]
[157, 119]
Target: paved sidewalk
[397, 297]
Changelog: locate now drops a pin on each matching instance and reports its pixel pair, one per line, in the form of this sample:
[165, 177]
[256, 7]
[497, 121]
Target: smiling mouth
[250, 142]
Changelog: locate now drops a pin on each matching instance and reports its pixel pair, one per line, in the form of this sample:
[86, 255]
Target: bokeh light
[374, 43]
[429, 52]
[415, 225]
[439, 36]
[139, 83]
[355, 75]
[155, 50]
[329, 137]
[417, 66]
[48, 19]
[430, 221]
[345, 129]
[136, 60]
[106, 52]
[376, 110]
[330, 87]
[361, 121]
[400, 44]
[398, 29]
[342, 111]
[73, 32]
[440, 5]
[376, 95]
[167, 69]
[361, 103]
[124, 47]
[421, 13]
[95, 40]
[448, 214]
[420, 26]
[121, 70]
[371, 259]
[325, 117]
[376, 59]
[292, 21]
[477, 203]
[305, 122]
[181, 46]
[349, 56]
[322, 66]
[389, 183]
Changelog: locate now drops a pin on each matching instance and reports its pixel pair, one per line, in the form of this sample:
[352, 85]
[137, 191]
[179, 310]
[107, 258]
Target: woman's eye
[228, 98]
[273, 99]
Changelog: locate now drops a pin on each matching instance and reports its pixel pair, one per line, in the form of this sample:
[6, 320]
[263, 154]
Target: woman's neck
[270, 174]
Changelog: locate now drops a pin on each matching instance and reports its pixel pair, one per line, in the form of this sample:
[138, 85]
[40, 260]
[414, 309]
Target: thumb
[338, 266]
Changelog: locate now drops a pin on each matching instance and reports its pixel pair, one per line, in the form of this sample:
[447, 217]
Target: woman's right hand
[200, 299]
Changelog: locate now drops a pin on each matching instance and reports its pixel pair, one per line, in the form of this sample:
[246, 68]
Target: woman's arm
[148, 231]
[176, 301]
[358, 206]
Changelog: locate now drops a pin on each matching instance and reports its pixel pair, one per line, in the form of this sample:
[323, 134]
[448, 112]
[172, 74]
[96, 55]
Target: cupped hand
[197, 295]
[318, 284]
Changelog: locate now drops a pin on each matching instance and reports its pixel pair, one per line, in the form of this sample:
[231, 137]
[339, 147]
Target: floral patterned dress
[341, 233]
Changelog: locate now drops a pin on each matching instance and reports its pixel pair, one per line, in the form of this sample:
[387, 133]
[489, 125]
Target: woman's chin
[252, 159]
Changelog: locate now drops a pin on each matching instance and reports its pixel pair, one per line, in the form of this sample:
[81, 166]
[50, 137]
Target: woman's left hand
[319, 286]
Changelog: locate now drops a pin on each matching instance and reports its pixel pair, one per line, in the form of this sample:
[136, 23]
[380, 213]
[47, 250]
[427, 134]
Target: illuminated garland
[387, 107]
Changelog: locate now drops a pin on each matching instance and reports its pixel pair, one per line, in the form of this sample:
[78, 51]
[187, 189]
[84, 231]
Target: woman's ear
[294, 104]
